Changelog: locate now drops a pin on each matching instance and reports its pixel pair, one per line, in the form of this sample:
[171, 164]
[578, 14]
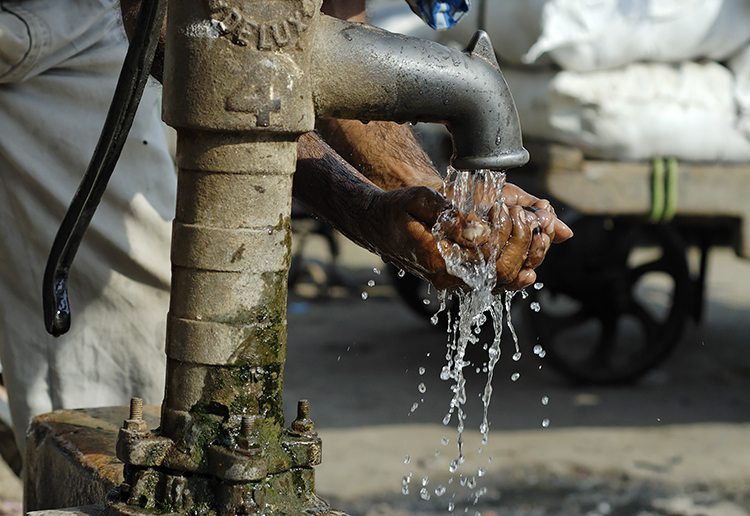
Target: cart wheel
[615, 301]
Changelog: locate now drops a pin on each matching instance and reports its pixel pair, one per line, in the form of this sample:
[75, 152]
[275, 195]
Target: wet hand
[521, 225]
[517, 235]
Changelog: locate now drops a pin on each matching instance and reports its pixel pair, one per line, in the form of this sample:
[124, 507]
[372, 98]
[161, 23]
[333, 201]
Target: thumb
[425, 204]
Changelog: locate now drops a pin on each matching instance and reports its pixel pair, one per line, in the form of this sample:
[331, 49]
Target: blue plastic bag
[440, 14]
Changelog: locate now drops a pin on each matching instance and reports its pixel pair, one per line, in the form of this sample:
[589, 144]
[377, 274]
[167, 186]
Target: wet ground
[677, 442]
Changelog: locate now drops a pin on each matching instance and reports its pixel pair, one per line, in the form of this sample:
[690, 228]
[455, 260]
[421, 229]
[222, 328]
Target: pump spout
[364, 73]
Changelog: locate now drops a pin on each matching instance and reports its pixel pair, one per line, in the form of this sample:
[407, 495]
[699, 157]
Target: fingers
[466, 230]
[513, 195]
[425, 204]
[516, 250]
[562, 231]
[526, 277]
[553, 226]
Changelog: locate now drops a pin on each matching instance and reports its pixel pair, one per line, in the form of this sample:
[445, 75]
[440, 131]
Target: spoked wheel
[615, 301]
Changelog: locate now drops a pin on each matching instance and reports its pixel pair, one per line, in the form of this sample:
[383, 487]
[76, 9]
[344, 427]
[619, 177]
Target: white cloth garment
[59, 63]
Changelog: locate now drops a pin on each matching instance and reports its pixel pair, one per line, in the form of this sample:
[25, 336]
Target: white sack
[686, 110]
[586, 35]
[513, 26]
[740, 66]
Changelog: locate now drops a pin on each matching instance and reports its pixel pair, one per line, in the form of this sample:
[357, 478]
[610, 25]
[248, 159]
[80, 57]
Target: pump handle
[130, 85]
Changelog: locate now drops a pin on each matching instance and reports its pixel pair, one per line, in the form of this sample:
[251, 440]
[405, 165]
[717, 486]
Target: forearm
[331, 188]
[385, 152]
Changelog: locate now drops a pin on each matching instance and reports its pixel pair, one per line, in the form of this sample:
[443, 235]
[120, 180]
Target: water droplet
[437, 452]
[376, 270]
[516, 356]
[481, 472]
[421, 371]
[538, 349]
[422, 388]
[440, 490]
[478, 370]
[424, 494]
[545, 422]
[425, 481]
[444, 441]
[538, 285]
[414, 407]
[434, 320]
[401, 273]
[426, 301]
[535, 306]
[405, 489]
[407, 460]
[463, 480]
[454, 466]
[445, 373]
[545, 400]
[604, 508]
[364, 295]
[447, 419]
[472, 483]
[451, 506]
[371, 283]
[515, 376]
[542, 354]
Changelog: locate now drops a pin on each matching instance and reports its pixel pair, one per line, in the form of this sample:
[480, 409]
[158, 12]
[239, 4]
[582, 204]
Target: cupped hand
[516, 234]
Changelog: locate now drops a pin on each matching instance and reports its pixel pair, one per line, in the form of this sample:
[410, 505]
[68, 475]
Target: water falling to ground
[477, 197]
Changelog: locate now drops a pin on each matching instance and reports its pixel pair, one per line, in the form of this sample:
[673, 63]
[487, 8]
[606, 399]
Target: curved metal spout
[365, 73]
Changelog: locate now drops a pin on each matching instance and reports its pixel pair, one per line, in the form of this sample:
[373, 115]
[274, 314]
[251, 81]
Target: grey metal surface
[367, 73]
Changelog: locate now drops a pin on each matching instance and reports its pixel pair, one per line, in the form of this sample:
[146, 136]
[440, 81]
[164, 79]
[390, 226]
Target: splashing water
[477, 196]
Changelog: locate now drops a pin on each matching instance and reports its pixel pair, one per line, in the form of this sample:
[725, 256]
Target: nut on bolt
[135, 422]
[303, 425]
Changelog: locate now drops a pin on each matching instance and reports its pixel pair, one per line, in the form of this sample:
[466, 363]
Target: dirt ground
[675, 443]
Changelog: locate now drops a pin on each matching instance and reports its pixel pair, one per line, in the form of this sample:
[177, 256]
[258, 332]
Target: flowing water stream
[477, 197]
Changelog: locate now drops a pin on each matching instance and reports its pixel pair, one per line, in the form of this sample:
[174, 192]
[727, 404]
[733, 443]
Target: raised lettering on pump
[235, 25]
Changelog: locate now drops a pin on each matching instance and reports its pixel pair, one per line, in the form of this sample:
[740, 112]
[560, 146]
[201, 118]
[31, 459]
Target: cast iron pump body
[243, 79]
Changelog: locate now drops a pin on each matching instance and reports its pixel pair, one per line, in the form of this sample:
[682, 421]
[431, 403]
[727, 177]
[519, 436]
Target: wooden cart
[617, 296]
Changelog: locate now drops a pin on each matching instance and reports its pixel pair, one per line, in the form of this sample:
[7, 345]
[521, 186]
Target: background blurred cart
[621, 84]
[617, 297]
